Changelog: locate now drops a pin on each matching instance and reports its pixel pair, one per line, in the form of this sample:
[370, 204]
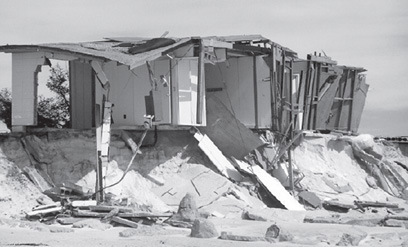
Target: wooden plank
[37, 179]
[217, 158]
[44, 211]
[106, 126]
[200, 84]
[342, 95]
[274, 87]
[255, 83]
[100, 74]
[125, 222]
[85, 213]
[227, 132]
[83, 203]
[272, 185]
[41, 207]
[309, 93]
[350, 116]
[377, 204]
[105, 208]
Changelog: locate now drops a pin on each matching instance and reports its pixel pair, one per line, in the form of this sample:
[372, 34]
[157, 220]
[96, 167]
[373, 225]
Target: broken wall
[243, 85]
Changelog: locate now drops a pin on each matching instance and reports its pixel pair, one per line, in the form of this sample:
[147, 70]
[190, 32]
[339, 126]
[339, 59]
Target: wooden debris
[110, 215]
[42, 207]
[397, 217]
[86, 213]
[125, 222]
[376, 204]
[83, 203]
[44, 211]
[272, 185]
[229, 236]
[105, 208]
[337, 206]
[68, 220]
[394, 223]
[310, 198]
[217, 158]
[36, 178]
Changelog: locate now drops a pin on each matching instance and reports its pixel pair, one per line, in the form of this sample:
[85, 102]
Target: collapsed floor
[337, 173]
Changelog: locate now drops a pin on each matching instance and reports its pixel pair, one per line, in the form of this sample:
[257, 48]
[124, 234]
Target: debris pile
[344, 181]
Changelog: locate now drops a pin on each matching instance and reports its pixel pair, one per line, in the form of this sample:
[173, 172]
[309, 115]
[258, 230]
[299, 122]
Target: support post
[200, 83]
[102, 133]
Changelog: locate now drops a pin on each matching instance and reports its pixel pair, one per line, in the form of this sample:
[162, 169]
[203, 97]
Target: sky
[371, 34]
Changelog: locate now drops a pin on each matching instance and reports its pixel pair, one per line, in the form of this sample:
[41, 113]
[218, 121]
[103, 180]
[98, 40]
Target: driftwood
[125, 222]
[85, 213]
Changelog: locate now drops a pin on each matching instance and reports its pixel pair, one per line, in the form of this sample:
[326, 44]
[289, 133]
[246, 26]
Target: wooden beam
[200, 84]
[255, 81]
[343, 92]
[352, 90]
[309, 99]
[125, 222]
[100, 74]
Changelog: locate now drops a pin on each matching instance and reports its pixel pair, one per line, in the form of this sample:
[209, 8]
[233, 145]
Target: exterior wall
[184, 90]
[129, 89]
[263, 88]
[233, 83]
[25, 68]
[82, 87]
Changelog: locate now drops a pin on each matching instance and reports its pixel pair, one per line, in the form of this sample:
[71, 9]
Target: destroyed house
[181, 81]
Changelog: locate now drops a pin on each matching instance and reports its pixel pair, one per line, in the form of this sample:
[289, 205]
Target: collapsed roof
[135, 51]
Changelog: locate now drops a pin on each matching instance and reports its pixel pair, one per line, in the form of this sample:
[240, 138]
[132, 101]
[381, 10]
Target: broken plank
[143, 215]
[377, 204]
[231, 136]
[272, 185]
[110, 215]
[44, 211]
[229, 236]
[125, 222]
[217, 158]
[105, 208]
[337, 206]
[86, 213]
[83, 203]
[41, 207]
[397, 217]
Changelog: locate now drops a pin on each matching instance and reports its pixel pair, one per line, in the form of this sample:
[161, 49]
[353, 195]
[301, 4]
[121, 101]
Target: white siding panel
[24, 87]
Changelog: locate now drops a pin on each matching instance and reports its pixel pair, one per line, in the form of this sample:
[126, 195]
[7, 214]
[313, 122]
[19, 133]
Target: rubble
[148, 199]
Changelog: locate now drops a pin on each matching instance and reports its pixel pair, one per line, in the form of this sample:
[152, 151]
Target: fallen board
[217, 158]
[231, 136]
[272, 185]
